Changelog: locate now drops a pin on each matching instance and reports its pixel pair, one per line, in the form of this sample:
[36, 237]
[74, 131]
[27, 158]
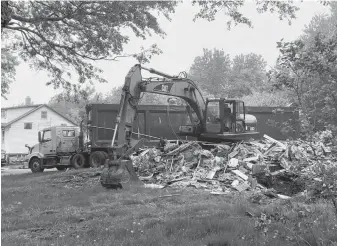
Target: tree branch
[51, 44]
[38, 19]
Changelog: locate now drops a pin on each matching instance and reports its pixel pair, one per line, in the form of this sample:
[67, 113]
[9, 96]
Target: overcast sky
[184, 41]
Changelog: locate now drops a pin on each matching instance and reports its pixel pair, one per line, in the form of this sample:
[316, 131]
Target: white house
[20, 125]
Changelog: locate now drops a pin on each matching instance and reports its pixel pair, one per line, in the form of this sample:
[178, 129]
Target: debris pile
[221, 168]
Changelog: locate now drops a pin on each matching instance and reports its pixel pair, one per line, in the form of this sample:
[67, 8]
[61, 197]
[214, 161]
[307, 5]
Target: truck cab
[56, 145]
[59, 140]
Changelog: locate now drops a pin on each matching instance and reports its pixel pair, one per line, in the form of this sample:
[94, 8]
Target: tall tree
[248, 74]
[211, 71]
[66, 36]
[61, 37]
[220, 76]
[308, 68]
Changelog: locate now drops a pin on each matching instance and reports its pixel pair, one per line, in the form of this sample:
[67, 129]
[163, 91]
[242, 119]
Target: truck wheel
[35, 165]
[97, 159]
[78, 161]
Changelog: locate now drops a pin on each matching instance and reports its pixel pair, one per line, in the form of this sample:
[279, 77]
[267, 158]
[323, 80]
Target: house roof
[33, 110]
[23, 106]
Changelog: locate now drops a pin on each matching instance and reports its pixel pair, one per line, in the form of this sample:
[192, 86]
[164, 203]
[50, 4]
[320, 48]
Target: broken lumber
[254, 158]
[211, 174]
[274, 141]
[240, 174]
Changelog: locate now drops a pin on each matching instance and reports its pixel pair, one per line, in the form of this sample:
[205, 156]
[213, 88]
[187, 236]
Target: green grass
[46, 209]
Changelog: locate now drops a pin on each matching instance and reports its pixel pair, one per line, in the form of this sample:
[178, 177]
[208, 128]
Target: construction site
[229, 153]
[218, 154]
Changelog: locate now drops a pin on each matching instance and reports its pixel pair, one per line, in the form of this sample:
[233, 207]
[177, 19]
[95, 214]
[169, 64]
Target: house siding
[16, 136]
[13, 113]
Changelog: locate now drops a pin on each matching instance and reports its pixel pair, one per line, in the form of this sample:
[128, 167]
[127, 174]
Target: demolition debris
[277, 168]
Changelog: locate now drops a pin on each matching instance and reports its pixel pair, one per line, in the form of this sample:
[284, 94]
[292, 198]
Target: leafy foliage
[249, 74]
[66, 36]
[8, 71]
[211, 71]
[220, 76]
[72, 105]
[209, 10]
[63, 37]
[267, 99]
[308, 68]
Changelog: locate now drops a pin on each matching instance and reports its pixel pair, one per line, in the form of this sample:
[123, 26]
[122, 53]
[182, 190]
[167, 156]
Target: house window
[3, 114]
[68, 133]
[43, 114]
[28, 125]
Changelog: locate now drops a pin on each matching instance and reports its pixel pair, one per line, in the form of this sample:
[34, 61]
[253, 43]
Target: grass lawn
[70, 208]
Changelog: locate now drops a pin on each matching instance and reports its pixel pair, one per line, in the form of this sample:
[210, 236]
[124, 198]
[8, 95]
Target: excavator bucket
[119, 174]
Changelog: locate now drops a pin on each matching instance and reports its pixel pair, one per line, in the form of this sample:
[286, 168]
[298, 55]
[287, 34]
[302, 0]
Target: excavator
[212, 120]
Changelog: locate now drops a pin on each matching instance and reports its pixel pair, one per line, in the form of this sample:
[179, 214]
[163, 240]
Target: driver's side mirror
[39, 136]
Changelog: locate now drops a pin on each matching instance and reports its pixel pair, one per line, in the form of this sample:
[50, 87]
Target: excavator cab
[224, 116]
[225, 120]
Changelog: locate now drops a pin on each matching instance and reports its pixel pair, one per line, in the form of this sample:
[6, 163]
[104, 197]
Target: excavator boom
[169, 85]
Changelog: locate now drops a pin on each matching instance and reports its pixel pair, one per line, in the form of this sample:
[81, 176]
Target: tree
[62, 37]
[308, 68]
[267, 99]
[324, 24]
[211, 71]
[66, 36]
[8, 71]
[73, 106]
[219, 76]
[209, 10]
[248, 74]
